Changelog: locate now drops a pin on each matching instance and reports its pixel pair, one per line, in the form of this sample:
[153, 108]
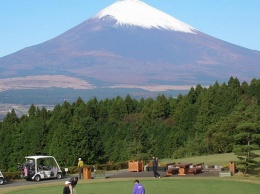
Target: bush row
[103, 167]
[12, 175]
[112, 166]
[73, 170]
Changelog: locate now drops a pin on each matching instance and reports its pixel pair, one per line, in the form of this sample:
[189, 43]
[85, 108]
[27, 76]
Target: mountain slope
[130, 44]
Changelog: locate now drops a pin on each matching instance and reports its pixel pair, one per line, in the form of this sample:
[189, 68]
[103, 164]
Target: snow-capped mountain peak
[138, 13]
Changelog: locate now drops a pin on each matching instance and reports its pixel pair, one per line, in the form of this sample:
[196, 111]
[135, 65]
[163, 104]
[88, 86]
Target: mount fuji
[129, 44]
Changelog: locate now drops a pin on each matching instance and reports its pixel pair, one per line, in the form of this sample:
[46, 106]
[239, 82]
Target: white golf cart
[41, 167]
[1, 178]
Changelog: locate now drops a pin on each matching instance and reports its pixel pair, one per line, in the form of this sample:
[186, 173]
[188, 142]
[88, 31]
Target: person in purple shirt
[138, 188]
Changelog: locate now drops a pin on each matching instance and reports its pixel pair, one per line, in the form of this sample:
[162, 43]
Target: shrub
[12, 175]
[112, 166]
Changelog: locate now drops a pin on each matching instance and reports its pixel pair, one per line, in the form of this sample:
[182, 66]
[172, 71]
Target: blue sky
[29, 22]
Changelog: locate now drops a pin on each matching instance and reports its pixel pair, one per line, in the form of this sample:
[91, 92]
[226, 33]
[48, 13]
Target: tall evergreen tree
[8, 135]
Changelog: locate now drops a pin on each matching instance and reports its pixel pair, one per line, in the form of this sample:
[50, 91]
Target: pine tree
[246, 144]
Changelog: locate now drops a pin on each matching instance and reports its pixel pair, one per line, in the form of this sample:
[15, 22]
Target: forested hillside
[202, 122]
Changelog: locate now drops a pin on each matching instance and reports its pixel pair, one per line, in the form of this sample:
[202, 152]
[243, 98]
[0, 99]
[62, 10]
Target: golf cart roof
[37, 157]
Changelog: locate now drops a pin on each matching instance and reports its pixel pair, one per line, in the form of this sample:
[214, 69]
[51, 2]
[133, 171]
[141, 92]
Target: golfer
[80, 167]
[73, 182]
[138, 188]
[66, 189]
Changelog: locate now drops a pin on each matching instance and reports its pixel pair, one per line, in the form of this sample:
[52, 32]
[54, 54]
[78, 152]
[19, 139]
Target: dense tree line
[205, 121]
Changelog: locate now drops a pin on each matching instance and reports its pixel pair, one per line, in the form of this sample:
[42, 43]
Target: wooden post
[86, 172]
[232, 167]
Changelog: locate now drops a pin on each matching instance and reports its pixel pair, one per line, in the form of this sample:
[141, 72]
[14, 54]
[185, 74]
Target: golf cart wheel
[37, 178]
[59, 176]
[1, 181]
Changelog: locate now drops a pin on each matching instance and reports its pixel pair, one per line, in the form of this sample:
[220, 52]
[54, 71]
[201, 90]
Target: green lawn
[154, 186]
[215, 159]
[166, 185]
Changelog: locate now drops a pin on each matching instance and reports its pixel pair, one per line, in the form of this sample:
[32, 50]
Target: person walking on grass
[155, 164]
[138, 188]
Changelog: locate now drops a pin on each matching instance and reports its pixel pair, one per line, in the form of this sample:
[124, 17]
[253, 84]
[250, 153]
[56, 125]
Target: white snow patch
[138, 13]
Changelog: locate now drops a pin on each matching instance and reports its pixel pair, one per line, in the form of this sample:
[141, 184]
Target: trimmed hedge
[12, 175]
[115, 166]
[104, 167]
[73, 170]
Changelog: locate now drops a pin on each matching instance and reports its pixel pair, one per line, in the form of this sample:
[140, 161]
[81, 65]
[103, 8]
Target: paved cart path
[126, 174]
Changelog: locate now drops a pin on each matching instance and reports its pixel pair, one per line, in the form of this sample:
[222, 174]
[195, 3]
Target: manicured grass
[168, 185]
[214, 159]
[154, 186]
